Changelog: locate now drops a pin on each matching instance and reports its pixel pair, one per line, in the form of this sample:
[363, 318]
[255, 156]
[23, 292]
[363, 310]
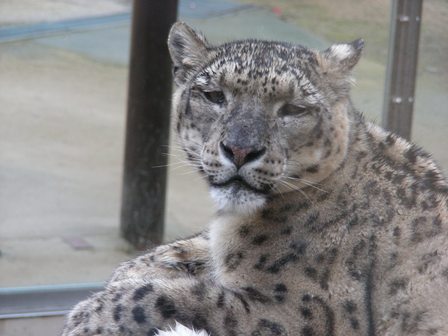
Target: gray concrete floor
[62, 115]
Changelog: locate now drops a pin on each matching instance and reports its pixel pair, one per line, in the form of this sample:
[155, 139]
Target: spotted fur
[326, 224]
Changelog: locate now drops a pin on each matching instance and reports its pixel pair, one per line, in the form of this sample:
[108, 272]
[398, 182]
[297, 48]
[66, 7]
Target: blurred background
[63, 95]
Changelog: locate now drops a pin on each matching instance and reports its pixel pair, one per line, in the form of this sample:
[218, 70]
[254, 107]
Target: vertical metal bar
[147, 127]
[402, 66]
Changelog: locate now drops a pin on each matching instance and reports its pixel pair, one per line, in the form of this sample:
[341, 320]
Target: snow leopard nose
[240, 156]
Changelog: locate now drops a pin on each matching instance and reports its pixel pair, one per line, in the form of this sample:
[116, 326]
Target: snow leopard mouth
[238, 183]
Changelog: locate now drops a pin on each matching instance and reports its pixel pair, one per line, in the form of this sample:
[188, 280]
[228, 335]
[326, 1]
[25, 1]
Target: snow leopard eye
[216, 97]
[290, 110]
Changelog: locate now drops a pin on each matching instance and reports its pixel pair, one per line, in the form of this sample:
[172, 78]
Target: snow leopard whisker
[176, 165]
[306, 182]
[294, 188]
[176, 159]
[276, 189]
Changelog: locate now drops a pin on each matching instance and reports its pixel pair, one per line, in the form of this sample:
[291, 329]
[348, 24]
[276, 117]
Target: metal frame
[43, 29]
[402, 66]
[41, 301]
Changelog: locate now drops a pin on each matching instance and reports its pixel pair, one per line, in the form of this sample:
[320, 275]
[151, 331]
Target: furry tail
[181, 330]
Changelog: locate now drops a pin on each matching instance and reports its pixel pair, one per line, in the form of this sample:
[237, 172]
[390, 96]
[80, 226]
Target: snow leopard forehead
[260, 67]
[259, 54]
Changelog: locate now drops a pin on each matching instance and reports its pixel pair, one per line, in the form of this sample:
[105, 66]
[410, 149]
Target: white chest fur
[224, 242]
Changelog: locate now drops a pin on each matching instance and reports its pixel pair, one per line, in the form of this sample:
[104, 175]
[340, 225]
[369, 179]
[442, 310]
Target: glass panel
[61, 137]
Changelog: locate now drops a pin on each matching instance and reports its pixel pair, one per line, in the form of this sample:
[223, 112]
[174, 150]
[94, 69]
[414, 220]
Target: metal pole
[402, 66]
[147, 128]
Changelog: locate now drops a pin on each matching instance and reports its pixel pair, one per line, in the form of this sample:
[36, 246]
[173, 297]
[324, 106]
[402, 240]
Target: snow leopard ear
[341, 58]
[336, 64]
[188, 50]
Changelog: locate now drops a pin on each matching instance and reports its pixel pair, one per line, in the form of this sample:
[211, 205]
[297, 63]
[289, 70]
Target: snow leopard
[326, 224]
